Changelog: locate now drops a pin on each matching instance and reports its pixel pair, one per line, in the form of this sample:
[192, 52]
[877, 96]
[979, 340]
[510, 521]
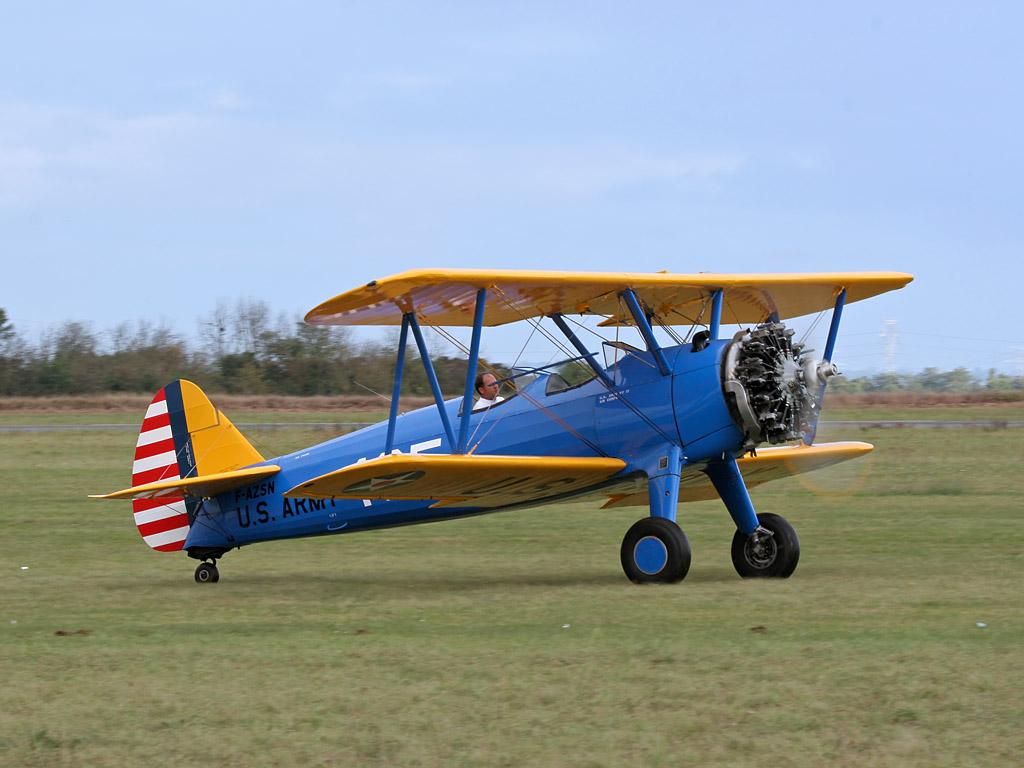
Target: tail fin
[182, 435]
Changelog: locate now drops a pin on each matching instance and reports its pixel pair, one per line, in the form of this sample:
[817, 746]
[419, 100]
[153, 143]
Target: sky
[159, 158]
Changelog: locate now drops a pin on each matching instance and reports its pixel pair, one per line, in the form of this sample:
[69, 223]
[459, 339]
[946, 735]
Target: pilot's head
[486, 386]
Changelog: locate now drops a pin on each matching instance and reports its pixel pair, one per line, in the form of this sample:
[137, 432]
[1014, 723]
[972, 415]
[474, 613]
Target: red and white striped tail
[162, 522]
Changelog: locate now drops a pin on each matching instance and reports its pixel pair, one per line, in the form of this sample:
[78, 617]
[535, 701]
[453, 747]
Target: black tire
[772, 558]
[207, 573]
[655, 550]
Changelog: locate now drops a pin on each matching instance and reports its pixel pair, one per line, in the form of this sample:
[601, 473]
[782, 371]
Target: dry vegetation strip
[983, 399]
[136, 403]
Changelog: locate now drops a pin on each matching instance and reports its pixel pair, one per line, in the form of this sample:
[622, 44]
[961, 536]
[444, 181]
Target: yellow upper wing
[448, 296]
[460, 480]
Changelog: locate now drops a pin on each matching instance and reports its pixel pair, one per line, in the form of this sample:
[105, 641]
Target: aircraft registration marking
[608, 397]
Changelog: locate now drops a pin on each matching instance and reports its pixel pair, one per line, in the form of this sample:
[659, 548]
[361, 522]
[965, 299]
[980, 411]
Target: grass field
[934, 413]
[514, 639]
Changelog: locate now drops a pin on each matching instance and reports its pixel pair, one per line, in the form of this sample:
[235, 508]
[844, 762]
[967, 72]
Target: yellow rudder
[215, 444]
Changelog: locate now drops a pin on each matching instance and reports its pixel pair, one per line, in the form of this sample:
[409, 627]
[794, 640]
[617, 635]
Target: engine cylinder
[773, 391]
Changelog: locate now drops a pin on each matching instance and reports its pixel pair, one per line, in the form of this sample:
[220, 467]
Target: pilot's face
[489, 388]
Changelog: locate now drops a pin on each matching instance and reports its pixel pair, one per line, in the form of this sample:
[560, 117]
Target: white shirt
[482, 404]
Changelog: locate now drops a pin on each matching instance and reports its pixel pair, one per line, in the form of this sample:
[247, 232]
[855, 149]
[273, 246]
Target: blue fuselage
[645, 412]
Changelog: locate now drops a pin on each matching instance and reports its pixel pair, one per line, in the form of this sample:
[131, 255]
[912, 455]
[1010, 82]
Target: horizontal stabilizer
[769, 464]
[461, 480]
[197, 487]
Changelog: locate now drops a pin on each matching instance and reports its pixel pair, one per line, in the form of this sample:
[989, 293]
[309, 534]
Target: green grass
[134, 417]
[78, 419]
[923, 413]
[514, 639]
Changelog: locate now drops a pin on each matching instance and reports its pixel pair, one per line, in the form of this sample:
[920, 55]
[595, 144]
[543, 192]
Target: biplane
[682, 414]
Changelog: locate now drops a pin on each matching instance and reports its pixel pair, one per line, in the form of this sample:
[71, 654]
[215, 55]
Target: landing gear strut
[207, 573]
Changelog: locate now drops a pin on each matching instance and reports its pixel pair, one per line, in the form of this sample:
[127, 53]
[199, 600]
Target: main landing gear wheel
[767, 556]
[655, 550]
[207, 573]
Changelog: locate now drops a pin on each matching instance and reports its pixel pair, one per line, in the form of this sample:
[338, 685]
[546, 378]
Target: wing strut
[602, 374]
[428, 368]
[396, 389]
[474, 355]
[644, 326]
[716, 313]
[409, 321]
[830, 345]
[833, 329]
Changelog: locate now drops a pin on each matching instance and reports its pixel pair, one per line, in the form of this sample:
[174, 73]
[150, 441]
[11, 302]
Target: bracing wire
[814, 324]
[561, 345]
[529, 398]
[628, 403]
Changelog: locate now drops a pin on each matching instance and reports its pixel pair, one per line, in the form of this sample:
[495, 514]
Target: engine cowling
[773, 390]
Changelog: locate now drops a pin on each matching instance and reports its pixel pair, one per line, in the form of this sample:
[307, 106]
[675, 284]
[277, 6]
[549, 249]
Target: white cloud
[595, 170]
[228, 99]
[405, 81]
[530, 43]
[59, 152]
[63, 151]
[545, 171]
[356, 90]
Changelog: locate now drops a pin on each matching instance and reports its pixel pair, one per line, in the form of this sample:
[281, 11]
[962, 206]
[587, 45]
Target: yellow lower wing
[459, 480]
[199, 487]
[769, 464]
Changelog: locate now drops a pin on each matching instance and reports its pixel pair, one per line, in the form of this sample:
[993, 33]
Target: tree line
[957, 381]
[244, 349]
[240, 349]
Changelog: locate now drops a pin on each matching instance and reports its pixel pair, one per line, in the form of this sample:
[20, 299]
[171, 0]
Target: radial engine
[773, 388]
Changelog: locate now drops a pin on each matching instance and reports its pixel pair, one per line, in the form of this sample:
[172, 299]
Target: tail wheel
[207, 573]
[771, 552]
[655, 550]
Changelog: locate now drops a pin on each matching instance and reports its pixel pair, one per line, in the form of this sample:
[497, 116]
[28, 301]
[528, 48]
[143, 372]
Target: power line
[937, 336]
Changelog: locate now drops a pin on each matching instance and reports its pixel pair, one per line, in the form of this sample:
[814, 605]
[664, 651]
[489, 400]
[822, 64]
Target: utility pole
[890, 342]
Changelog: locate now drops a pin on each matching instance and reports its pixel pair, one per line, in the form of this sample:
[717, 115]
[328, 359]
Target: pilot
[487, 389]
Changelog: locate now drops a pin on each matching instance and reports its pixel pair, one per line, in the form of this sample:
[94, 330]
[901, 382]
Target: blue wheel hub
[650, 555]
